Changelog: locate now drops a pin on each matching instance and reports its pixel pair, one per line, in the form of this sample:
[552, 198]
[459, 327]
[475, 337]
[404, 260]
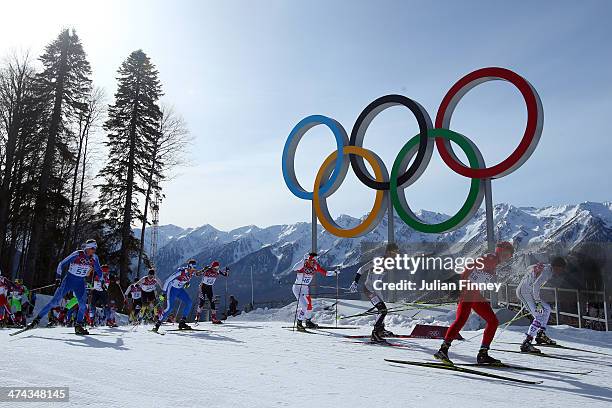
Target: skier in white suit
[528, 291]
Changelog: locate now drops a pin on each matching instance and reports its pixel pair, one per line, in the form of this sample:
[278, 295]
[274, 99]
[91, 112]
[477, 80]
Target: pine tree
[64, 83]
[16, 78]
[133, 122]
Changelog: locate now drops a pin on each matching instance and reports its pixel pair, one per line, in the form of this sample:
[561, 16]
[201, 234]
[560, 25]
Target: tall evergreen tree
[133, 126]
[64, 82]
[16, 78]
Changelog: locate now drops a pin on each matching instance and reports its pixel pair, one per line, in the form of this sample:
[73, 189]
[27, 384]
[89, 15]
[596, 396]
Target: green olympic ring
[472, 202]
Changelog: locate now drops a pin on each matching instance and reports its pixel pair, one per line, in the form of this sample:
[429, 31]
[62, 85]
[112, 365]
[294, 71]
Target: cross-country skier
[175, 291]
[80, 263]
[305, 270]
[528, 291]
[148, 284]
[112, 314]
[16, 300]
[134, 292]
[233, 306]
[378, 332]
[209, 276]
[5, 286]
[473, 300]
[99, 293]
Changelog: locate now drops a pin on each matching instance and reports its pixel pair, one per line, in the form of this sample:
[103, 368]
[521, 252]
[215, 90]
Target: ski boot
[387, 333]
[377, 336]
[34, 323]
[157, 325]
[483, 357]
[214, 319]
[311, 325]
[527, 347]
[183, 325]
[542, 338]
[442, 354]
[299, 326]
[79, 329]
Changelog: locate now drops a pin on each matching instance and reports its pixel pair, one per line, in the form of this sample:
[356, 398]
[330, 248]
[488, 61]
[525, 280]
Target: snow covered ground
[251, 361]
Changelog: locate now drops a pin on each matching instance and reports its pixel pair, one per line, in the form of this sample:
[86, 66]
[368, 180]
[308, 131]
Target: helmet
[504, 246]
[152, 271]
[192, 262]
[104, 268]
[90, 244]
[18, 281]
[215, 264]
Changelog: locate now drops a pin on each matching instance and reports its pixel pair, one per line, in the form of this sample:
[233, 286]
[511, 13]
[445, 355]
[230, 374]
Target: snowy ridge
[567, 224]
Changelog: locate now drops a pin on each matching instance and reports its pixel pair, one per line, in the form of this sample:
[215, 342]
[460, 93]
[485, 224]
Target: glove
[333, 273]
[353, 287]
[186, 285]
[58, 281]
[539, 309]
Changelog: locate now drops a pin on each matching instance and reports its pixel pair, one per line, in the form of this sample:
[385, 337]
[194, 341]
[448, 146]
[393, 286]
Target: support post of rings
[313, 249]
[313, 241]
[490, 230]
[391, 240]
[390, 225]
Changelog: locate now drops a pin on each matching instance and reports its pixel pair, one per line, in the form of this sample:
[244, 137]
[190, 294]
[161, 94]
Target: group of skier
[528, 292]
[72, 303]
[16, 302]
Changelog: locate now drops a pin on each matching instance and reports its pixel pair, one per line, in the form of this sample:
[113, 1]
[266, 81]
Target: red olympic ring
[533, 129]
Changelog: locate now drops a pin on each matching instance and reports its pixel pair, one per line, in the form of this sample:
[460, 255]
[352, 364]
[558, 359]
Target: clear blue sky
[242, 73]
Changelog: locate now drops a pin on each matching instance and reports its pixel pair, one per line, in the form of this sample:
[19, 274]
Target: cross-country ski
[463, 370]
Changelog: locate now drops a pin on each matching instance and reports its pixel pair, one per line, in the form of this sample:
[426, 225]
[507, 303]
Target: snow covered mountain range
[271, 251]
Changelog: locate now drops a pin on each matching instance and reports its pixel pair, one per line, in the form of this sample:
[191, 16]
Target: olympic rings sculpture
[333, 171]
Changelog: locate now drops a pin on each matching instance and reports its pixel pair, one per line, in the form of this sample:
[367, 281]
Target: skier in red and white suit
[209, 276]
[5, 286]
[473, 300]
[148, 284]
[305, 271]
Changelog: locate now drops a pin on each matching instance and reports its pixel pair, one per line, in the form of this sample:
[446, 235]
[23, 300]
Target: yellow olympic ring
[378, 210]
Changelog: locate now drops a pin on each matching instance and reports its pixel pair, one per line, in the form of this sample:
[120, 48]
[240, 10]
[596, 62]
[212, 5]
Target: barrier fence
[579, 308]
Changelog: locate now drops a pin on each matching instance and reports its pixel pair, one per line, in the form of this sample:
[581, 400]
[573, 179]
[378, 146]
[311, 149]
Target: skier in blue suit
[79, 265]
[175, 291]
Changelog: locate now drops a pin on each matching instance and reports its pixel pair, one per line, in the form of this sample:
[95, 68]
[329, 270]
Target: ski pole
[42, 287]
[360, 314]
[516, 317]
[333, 287]
[337, 298]
[296, 308]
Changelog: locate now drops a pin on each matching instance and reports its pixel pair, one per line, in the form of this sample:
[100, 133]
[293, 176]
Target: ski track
[252, 362]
